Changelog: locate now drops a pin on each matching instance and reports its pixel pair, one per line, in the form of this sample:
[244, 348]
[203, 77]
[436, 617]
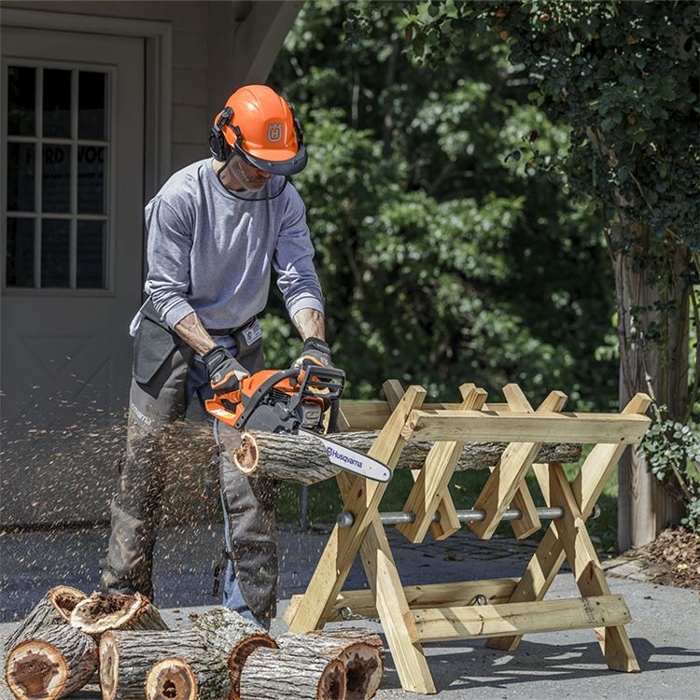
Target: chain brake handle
[323, 383]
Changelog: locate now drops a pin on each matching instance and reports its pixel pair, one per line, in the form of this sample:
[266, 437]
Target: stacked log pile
[70, 638]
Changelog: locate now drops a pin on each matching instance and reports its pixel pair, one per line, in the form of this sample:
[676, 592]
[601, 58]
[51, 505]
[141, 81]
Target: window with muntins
[57, 150]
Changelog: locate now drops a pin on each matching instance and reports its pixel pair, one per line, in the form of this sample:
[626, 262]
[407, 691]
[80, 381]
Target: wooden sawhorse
[413, 615]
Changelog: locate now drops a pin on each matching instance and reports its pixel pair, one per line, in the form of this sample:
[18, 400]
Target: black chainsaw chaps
[250, 503]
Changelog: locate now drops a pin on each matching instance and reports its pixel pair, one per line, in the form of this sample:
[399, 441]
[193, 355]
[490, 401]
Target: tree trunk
[294, 672]
[54, 609]
[160, 664]
[360, 652]
[99, 613]
[234, 638]
[56, 661]
[645, 505]
[304, 460]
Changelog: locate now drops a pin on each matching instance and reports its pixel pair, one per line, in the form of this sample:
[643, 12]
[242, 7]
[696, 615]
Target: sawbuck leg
[550, 554]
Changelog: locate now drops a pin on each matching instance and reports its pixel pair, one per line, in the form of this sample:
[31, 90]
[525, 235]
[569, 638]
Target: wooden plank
[542, 427]
[372, 415]
[448, 523]
[530, 522]
[585, 566]
[601, 463]
[431, 487]
[393, 610]
[440, 624]
[505, 480]
[361, 601]
[362, 499]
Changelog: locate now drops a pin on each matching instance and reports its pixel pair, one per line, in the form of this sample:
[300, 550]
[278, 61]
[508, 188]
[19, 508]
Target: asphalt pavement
[665, 631]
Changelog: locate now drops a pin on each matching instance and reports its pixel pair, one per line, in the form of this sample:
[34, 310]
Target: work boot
[112, 583]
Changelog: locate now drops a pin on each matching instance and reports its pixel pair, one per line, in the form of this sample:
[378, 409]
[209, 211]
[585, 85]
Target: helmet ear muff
[218, 146]
[297, 127]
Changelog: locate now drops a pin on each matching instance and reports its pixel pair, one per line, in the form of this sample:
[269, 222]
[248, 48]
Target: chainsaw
[296, 400]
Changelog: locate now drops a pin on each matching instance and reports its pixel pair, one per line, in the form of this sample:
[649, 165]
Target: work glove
[314, 352]
[225, 372]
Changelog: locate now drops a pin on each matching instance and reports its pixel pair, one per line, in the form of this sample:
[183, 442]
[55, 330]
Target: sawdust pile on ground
[672, 559]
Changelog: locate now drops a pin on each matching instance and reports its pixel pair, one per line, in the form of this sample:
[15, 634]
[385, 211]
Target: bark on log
[234, 638]
[99, 613]
[293, 672]
[360, 652]
[57, 661]
[303, 459]
[160, 664]
[53, 609]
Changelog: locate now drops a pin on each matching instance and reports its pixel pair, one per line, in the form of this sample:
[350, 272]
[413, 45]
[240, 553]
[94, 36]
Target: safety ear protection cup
[218, 146]
[297, 127]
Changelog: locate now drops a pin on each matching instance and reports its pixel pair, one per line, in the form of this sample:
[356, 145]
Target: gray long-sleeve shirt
[212, 253]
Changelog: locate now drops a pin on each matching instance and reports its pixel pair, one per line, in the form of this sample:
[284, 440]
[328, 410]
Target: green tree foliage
[448, 245]
[624, 76]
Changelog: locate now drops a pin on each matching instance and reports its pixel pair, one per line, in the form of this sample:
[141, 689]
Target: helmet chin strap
[266, 198]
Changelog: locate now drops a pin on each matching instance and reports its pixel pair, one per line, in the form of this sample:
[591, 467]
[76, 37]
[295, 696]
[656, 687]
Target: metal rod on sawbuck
[346, 519]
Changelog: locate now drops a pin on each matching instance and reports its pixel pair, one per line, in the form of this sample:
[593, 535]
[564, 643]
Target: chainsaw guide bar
[293, 401]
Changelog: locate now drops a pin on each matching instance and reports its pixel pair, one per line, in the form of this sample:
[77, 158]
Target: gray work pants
[161, 391]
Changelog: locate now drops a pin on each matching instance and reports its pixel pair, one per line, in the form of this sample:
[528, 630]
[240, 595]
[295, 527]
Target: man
[216, 229]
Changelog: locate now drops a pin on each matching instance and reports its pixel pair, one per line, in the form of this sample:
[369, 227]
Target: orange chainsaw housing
[318, 385]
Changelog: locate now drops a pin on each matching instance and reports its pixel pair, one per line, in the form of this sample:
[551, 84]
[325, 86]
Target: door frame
[158, 79]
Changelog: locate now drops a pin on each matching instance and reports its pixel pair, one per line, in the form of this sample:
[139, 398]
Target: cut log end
[52, 665]
[333, 683]
[246, 457]
[64, 599]
[35, 671]
[171, 679]
[363, 669]
[359, 651]
[109, 666]
[240, 654]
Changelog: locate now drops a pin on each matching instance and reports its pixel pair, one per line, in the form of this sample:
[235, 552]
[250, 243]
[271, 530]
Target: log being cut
[99, 613]
[57, 661]
[360, 652]
[304, 460]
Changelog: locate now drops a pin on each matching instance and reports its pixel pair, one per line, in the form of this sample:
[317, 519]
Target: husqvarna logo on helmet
[274, 132]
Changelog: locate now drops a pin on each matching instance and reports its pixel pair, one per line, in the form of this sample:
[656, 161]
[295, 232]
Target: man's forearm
[191, 330]
[310, 323]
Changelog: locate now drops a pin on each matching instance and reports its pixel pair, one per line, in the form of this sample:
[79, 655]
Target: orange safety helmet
[259, 126]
